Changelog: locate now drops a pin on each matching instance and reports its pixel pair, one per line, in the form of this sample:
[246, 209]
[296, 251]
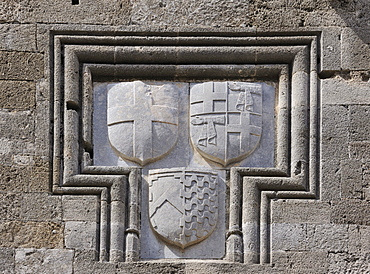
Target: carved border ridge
[78, 60]
[249, 237]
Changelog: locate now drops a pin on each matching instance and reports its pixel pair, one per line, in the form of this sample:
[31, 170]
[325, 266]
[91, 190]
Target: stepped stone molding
[79, 59]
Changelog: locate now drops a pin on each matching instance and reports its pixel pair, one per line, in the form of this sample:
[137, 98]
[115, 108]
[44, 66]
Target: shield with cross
[225, 119]
[142, 120]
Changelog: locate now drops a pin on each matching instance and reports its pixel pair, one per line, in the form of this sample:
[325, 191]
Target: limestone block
[359, 127]
[41, 207]
[351, 179]
[86, 12]
[39, 180]
[296, 212]
[359, 150]
[344, 263]
[301, 262]
[335, 124]
[17, 95]
[354, 239]
[288, 237]
[79, 208]
[191, 13]
[80, 235]
[31, 234]
[85, 262]
[7, 260]
[21, 65]
[10, 206]
[25, 125]
[350, 211]
[14, 178]
[30, 260]
[17, 37]
[330, 237]
[330, 50]
[356, 48]
[364, 239]
[342, 92]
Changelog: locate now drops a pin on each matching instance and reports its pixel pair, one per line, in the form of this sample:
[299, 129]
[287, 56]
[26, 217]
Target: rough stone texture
[7, 261]
[40, 206]
[79, 208]
[17, 37]
[21, 65]
[42, 232]
[356, 48]
[350, 211]
[17, 95]
[31, 234]
[80, 235]
[43, 260]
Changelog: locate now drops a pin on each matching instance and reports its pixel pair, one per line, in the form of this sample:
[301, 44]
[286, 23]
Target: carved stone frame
[77, 60]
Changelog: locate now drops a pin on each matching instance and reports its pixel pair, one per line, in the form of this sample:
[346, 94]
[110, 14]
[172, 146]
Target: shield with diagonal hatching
[183, 205]
[225, 119]
[142, 120]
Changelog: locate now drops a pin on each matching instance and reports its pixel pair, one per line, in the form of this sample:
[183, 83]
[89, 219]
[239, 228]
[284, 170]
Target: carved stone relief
[183, 205]
[226, 119]
[142, 120]
[184, 136]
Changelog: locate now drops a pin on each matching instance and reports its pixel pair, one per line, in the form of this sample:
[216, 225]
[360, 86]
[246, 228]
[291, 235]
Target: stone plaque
[183, 136]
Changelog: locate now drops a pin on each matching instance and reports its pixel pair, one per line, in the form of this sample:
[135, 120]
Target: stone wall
[305, 211]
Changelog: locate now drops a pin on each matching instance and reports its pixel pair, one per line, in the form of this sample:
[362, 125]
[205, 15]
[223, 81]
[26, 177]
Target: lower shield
[183, 205]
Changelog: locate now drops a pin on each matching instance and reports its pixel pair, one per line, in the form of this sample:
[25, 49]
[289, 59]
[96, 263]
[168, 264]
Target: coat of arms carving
[183, 205]
[225, 119]
[142, 120]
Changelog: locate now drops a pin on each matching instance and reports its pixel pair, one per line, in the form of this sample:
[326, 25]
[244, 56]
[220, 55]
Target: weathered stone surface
[24, 131]
[31, 260]
[13, 178]
[21, 65]
[330, 237]
[335, 123]
[288, 237]
[7, 260]
[350, 211]
[322, 230]
[31, 234]
[302, 262]
[344, 263]
[41, 207]
[359, 150]
[331, 52]
[87, 12]
[10, 206]
[80, 235]
[17, 95]
[359, 128]
[342, 92]
[80, 208]
[356, 48]
[17, 37]
[296, 212]
[351, 179]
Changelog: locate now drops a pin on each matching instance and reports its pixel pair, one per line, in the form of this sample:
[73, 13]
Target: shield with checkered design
[183, 205]
[225, 120]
